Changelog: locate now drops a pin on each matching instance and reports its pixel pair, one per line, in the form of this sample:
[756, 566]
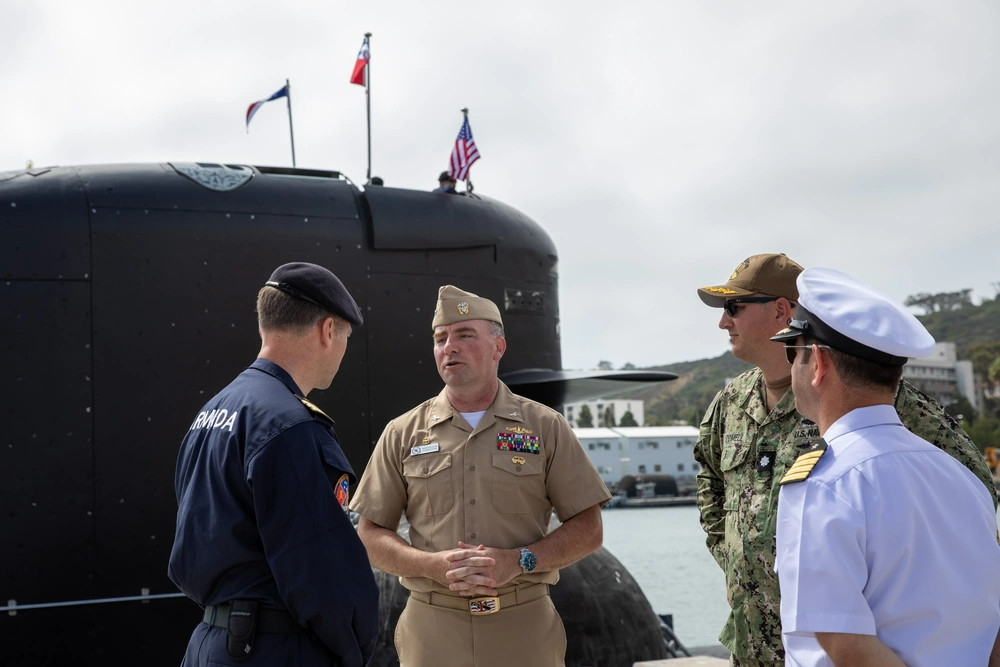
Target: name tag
[424, 449]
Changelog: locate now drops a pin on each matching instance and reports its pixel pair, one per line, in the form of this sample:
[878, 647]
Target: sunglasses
[730, 305]
[790, 350]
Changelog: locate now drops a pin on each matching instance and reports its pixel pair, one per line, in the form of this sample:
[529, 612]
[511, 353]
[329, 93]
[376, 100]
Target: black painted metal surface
[127, 299]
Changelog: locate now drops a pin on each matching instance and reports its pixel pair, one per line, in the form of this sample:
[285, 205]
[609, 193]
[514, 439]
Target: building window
[656, 468]
[591, 446]
[680, 467]
[642, 468]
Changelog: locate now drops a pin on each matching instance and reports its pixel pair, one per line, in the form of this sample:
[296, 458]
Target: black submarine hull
[127, 293]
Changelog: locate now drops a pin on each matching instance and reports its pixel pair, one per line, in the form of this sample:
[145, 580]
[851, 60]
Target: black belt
[275, 621]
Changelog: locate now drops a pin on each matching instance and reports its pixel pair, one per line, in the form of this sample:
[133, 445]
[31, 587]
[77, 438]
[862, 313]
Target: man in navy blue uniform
[263, 541]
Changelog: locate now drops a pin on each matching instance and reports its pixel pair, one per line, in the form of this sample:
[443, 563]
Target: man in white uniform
[887, 549]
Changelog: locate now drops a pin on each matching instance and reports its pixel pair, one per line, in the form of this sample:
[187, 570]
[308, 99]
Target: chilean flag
[252, 109]
[358, 76]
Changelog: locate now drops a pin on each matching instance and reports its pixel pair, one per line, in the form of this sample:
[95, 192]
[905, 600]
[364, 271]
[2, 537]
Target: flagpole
[468, 176]
[291, 133]
[368, 103]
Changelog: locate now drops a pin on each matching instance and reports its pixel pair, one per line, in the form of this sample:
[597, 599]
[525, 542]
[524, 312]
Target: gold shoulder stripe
[803, 466]
[313, 408]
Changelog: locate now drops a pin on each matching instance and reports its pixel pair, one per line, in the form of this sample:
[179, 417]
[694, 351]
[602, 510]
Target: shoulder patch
[313, 408]
[342, 490]
[803, 466]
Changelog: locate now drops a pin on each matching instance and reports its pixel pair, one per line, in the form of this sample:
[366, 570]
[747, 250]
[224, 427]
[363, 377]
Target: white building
[941, 375]
[641, 450]
[599, 406]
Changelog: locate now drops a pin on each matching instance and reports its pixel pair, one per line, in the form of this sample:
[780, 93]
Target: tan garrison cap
[455, 305]
[766, 275]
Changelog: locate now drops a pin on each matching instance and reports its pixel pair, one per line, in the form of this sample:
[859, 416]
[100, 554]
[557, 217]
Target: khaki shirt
[743, 451]
[496, 485]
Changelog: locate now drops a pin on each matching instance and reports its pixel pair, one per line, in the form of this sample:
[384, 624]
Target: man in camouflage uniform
[750, 436]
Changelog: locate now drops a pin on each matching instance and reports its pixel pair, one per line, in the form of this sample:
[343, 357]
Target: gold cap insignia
[721, 290]
[463, 307]
[519, 460]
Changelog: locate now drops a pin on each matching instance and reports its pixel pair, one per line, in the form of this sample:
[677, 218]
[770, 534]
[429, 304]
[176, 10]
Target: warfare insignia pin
[519, 429]
[518, 460]
[426, 440]
[463, 308]
[343, 491]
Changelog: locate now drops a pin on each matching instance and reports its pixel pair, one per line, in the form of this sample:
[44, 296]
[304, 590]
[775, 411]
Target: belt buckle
[484, 606]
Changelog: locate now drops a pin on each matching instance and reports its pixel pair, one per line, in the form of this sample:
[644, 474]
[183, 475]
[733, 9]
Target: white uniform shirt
[888, 536]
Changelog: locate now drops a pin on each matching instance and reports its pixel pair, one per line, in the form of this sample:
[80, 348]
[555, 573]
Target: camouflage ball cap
[455, 305]
[767, 275]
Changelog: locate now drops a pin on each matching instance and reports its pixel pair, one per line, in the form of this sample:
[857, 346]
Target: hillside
[974, 329]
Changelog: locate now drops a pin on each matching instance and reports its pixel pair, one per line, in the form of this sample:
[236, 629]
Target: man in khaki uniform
[751, 434]
[478, 470]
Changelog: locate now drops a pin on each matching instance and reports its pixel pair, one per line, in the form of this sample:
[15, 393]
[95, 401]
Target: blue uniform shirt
[258, 516]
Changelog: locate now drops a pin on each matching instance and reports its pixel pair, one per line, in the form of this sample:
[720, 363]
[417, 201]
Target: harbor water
[663, 548]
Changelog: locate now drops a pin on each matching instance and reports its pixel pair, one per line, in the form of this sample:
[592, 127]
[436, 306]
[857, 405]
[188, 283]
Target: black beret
[318, 286]
[445, 176]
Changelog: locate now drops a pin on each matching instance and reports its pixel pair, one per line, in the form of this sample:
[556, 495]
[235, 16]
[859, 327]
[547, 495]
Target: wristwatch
[527, 560]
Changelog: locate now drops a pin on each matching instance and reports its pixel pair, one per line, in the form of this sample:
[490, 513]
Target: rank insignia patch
[518, 442]
[765, 461]
[343, 491]
[804, 464]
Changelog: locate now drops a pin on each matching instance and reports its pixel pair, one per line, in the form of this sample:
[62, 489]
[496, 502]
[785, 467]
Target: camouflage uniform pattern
[743, 451]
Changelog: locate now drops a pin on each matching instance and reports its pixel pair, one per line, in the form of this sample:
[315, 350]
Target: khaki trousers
[525, 635]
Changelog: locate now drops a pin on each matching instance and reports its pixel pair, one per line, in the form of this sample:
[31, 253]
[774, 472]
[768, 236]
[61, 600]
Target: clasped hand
[477, 570]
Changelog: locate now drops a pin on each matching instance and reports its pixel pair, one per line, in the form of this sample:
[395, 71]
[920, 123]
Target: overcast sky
[659, 143]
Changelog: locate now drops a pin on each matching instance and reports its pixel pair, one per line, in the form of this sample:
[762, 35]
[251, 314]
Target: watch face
[527, 560]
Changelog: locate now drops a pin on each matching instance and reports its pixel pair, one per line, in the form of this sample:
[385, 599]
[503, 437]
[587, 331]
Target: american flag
[464, 153]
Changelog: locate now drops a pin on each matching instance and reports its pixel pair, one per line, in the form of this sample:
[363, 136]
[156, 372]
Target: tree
[935, 303]
[585, 419]
[983, 356]
[628, 419]
[609, 416]
[960, 408]
[604, 365]
[629, 366]
[984, 431]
